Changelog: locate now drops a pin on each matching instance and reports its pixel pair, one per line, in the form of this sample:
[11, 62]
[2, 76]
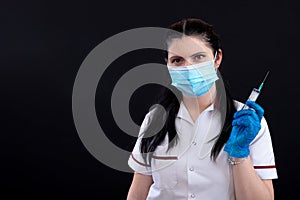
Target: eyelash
[173, 60]
[197, 56]
[180, 59]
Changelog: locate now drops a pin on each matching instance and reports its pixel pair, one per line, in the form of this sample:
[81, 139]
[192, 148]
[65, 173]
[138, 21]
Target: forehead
[187, 45]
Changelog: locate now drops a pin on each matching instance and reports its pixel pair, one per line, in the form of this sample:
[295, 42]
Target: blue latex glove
[245, 127]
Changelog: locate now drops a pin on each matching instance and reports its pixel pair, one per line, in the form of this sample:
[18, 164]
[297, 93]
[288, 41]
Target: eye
[199, 57]
[176, 60]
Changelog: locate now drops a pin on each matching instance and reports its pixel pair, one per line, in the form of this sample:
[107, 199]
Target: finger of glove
[245, 115]
[248, 132]
[241, 113]
[258, 109]
[246, 120]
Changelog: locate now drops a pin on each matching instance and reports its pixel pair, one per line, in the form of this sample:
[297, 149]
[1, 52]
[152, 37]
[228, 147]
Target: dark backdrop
[43, 44]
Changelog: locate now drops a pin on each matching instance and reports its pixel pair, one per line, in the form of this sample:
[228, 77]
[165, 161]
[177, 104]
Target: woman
[202, 145]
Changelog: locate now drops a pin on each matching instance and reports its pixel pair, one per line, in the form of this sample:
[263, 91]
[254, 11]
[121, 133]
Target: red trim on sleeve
[264, 167]
[143, 164]
[165, 157]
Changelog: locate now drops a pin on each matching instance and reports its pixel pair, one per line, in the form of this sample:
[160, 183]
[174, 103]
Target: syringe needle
[262, 83]
[266, 76]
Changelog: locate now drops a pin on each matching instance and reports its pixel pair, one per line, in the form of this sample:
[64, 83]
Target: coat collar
[184, 114]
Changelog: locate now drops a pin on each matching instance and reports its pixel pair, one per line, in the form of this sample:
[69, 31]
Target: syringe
[255, 92]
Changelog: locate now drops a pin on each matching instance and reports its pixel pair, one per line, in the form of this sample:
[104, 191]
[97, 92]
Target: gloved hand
[245, 127]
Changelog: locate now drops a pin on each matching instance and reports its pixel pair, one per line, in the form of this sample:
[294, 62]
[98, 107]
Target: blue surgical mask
[194, 80]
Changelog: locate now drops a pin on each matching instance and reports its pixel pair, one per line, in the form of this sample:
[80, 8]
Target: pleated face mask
[194, 80]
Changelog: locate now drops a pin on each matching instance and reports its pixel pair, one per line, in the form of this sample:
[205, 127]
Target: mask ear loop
[215, 60]
[215, 56]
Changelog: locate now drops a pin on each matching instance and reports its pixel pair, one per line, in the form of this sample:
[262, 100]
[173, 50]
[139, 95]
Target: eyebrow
[200, 52]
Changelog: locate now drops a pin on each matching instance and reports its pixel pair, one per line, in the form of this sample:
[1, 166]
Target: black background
[43, 44]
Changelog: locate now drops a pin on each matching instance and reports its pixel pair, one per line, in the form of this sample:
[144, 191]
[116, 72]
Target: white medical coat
[187, 171]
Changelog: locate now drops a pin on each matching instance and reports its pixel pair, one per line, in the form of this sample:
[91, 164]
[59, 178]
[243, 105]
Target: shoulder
[147, 119]
[148, 116]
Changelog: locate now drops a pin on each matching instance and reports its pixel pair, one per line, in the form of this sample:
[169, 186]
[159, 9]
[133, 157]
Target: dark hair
[170, 98]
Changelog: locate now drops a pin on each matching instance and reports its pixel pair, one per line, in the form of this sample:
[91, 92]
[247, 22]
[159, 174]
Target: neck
[195, 105]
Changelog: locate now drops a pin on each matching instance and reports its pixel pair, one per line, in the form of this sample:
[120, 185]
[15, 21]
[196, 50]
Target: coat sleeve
[261, 153]
[136, 161]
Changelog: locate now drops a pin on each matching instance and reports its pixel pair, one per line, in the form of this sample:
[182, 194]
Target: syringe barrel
[254, 94]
